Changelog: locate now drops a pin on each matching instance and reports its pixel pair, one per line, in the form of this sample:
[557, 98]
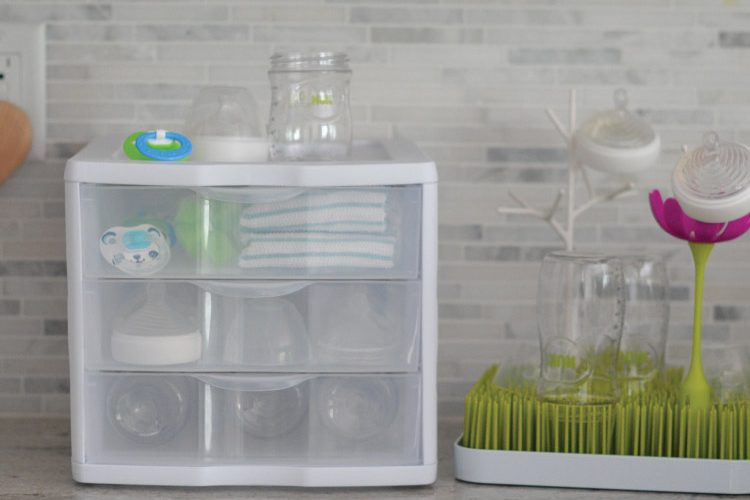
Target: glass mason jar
[310, 117]
[580, 309]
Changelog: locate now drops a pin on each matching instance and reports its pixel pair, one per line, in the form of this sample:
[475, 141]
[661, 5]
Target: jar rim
[310, 60]
[579, 256]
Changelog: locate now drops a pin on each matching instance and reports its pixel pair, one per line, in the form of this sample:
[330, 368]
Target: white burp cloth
[302, 250]
[342, 211]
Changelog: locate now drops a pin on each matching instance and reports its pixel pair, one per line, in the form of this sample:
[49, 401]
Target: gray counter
[35, 463]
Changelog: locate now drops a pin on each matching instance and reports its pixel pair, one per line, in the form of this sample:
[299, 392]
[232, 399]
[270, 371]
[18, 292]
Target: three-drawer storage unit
[253, 324]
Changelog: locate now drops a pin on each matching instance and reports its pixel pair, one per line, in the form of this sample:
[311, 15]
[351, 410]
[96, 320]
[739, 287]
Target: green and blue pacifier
[157, 145]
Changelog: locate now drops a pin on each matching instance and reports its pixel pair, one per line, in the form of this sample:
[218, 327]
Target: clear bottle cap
[616, 140]
[712, 181]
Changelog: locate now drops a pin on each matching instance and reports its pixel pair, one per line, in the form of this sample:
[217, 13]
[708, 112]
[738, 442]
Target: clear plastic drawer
[305, 420]
[252, 326]
[358, 232]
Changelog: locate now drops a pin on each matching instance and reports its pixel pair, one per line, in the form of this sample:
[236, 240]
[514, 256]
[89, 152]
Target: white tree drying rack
[566, 232]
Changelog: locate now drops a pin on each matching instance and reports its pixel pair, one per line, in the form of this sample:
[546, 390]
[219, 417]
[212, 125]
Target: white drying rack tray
[609, 472]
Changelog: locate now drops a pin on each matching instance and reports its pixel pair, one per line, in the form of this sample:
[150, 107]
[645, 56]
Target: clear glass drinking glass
[644, 335]
[580, 310]
[310, 117]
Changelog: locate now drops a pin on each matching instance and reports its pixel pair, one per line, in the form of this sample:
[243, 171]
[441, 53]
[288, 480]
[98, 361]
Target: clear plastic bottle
[310, 117]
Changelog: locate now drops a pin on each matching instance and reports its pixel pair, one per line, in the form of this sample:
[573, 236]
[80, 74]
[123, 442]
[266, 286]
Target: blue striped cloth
[334, 228]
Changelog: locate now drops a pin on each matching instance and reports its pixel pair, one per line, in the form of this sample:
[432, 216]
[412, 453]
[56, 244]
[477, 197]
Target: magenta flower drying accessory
[713, 182]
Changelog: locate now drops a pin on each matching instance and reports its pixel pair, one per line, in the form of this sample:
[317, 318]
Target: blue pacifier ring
[186, 147]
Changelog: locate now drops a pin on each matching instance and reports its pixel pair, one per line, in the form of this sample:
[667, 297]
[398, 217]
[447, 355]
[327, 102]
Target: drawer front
[252, 326]
[269, 233]
[305, 420]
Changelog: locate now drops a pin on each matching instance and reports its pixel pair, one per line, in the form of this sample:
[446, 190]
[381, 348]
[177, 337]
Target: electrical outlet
[23, 77]
[10, 77]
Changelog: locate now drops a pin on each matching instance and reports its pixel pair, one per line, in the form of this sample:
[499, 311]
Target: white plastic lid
[223, 112]
[617, 141]
[712, 182]
[156, 334]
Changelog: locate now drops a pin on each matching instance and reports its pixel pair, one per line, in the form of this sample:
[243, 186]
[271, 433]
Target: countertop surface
[35, 463]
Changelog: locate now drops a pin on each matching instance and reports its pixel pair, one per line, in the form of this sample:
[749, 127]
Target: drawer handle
[256, 383]
[248, 195]
[252, 290]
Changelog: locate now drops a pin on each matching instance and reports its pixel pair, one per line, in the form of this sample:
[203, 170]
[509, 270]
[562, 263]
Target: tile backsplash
[468, 80]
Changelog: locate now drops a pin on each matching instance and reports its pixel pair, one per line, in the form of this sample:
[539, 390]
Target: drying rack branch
[546, 215]
[572, 212]
[566, 135]
[612, 195]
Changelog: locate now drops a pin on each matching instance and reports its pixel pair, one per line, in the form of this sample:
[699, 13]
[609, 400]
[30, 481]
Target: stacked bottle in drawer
[273, 329]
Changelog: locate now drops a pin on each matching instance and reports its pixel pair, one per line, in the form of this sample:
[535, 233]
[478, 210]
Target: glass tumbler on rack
[580, 309]
[644, 335]
[310, 117]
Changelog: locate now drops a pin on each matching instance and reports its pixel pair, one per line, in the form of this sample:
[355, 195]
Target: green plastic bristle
[655, 422]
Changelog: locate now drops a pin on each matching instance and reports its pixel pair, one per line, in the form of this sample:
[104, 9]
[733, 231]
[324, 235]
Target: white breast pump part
[223, 126]
[712, 182]
[617, 141]
[156, 334]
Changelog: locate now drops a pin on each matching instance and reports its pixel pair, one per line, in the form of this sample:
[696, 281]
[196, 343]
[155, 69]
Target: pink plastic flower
[673, 220]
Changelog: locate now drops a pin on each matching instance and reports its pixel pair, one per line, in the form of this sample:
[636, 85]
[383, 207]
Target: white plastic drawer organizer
[264, 324]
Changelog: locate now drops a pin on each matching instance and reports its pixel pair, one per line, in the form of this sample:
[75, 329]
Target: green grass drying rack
[649, 441]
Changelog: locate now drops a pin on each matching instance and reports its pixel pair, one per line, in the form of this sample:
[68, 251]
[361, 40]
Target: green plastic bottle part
[215, 242]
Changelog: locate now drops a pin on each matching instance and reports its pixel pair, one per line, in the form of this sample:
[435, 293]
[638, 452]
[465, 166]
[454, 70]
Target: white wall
[468, 80]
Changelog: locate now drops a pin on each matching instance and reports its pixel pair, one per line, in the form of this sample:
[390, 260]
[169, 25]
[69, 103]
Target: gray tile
[307, 34]
[21, 268]
[88, 32]
[400, 15]
[191, 32]
[10, 385]
[53, 210]
[564, 56]
[536, 254]
[37, 366]
[426, 35]
[448, 291]
[459, 310]
[540, 155]
[9, 307]
[467, 232]
[680, 293]
[29, 12]
[63, 149]
[20, 405]
[614, 76]
[45, 385]
[734, 39]
[55, 327]
[492, 253]
[190, 12]
[15, 326]
[730, 313]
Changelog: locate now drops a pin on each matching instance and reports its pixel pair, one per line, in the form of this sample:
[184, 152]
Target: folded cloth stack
[342, 228]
